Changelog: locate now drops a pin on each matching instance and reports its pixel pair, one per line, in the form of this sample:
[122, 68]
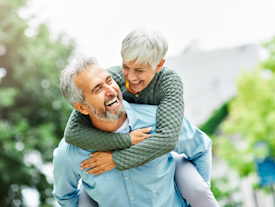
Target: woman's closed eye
[140, 71]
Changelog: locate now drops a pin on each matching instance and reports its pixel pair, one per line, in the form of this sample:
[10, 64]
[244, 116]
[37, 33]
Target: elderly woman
[143, 79]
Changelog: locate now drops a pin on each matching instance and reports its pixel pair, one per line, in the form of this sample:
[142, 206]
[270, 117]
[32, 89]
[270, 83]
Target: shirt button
[132, 198]
[126, 178]
[136, 95]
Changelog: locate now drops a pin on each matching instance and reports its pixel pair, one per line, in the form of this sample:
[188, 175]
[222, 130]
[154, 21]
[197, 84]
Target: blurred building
[209, 78]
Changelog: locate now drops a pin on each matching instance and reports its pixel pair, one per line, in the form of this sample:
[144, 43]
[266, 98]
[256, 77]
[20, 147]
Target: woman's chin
[136, 87]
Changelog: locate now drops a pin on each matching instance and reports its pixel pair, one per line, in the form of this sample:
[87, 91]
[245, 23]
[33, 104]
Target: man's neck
[107, 126]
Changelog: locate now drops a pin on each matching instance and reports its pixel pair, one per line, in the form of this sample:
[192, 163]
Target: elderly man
[149, 185]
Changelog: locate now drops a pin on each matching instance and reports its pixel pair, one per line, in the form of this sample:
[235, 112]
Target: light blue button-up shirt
[150, 185]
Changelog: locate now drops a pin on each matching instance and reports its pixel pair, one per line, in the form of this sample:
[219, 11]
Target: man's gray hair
[145, 46]
[70, 91]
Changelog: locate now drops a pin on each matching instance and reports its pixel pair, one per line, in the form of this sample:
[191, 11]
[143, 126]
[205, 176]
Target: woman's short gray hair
[145, 46]
[70, 91]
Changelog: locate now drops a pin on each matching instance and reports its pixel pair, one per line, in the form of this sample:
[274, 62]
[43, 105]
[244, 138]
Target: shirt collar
[129, 88]
[130, 115]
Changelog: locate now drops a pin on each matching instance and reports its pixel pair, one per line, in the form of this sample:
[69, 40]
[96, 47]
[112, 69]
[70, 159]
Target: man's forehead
[92, 75]
[94, 72]
[100, 74]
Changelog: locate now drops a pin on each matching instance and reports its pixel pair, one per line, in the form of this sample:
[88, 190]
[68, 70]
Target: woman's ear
[160, 65]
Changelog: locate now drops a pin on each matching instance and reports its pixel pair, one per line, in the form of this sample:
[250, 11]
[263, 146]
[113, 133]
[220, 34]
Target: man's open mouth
[112, 102]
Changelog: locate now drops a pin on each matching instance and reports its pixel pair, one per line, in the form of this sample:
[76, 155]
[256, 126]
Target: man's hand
[139, 135]
[100, 162]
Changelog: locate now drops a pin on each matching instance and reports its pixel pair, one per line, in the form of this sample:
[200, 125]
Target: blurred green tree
[249, 129]
[33, 112]
[212, 124]
[270, 62]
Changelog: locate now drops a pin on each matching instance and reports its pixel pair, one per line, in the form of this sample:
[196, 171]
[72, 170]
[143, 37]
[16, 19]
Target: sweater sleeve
[170, 115]
[79, 131]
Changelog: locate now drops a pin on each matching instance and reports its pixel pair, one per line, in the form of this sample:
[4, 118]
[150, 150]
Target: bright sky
[99, 26]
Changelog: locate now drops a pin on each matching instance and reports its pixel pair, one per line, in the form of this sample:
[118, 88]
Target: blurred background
[223, 50]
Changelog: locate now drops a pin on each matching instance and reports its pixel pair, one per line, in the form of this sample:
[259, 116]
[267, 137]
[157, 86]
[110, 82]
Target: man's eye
[139, 71]
[98, 89]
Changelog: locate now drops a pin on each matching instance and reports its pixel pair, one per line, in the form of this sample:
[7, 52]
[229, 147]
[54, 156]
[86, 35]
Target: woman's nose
[132, 76]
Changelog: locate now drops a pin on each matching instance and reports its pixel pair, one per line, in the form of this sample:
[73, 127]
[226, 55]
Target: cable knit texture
[166, 91]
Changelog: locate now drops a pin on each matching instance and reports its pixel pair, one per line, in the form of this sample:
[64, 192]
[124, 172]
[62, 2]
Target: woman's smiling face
[139, 76]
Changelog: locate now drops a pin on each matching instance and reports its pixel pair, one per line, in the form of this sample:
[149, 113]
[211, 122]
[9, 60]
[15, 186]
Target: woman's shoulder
[117, 69]
[116, 72]
[169, 82]
[168, 74]
[168, 71]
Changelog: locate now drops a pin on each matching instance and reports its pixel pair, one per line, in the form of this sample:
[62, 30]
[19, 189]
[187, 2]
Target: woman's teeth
[135, 82]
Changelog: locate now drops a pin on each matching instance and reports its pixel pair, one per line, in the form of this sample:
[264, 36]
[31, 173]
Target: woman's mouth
[135, 82]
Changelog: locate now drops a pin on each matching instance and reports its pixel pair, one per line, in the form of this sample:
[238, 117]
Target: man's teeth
[111, 102]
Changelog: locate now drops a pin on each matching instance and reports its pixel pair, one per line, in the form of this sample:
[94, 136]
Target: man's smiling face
[102, 94]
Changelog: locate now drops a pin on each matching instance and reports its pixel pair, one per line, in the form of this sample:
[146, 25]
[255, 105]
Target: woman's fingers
[139, 135]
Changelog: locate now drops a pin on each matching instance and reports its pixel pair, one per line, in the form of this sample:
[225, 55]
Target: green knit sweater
[166, 91]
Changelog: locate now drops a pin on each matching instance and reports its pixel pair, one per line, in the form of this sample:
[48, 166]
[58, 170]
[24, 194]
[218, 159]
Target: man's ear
[160, 65]
[82, 108]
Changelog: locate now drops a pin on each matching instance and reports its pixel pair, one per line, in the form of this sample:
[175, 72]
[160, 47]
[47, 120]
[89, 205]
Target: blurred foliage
[31, 119]
[219, 186]
[270, 62]
[249, 130]
[210, 126]
[223, 193]
[245, 125]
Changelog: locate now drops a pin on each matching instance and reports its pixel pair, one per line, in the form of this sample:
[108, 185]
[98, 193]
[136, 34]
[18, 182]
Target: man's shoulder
[143, 107]
[65, 152]
[62, 150]
[142, 115]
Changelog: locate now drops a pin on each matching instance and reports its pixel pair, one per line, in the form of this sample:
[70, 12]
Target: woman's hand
[100, 162]
[139, 135]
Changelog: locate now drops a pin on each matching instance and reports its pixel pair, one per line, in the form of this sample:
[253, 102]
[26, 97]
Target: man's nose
[110, 90]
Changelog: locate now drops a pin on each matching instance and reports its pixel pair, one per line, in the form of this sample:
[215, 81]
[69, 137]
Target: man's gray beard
[106, 115]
